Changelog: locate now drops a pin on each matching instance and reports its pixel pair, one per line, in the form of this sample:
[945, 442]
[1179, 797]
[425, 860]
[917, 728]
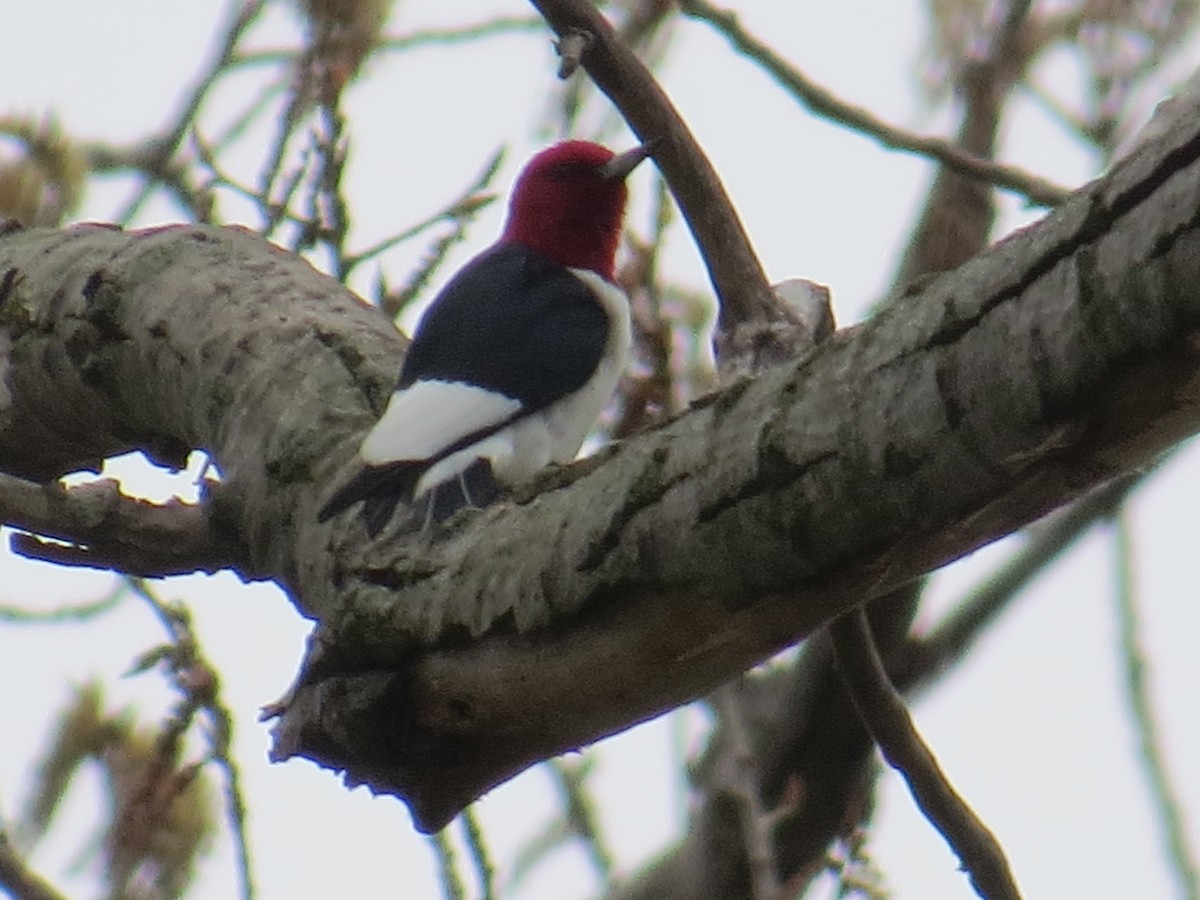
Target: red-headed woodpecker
[515, 358]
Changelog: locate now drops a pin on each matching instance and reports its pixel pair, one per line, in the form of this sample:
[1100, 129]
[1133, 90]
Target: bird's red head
[568, 204]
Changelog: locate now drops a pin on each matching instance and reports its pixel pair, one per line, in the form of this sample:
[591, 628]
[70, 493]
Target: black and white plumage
[516, 357]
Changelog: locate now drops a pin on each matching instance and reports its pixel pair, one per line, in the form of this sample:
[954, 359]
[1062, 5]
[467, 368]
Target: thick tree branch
[956, 222]
[982, 392]
[955, 225]
[1060, 359]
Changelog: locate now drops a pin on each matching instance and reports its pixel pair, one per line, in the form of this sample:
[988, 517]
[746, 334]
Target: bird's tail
[383, 488]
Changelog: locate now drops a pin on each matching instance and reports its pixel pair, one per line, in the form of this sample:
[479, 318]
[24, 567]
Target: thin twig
[648, 398]
[196, 680]
[883, 712]
[244, 13]
[485, 869]
[1137, 691]
[431, 37]
[579, 811]
[275, 213]
[18, 880]
[460, 212]
[820, 101]
[741, 782]
[160, 150]
[273, 170]
[443, 849]
[954, 636]
[235, 798]
[69, 612]
[328, 213]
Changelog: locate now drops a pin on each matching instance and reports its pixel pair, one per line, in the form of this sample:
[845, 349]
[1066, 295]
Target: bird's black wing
[515, 322]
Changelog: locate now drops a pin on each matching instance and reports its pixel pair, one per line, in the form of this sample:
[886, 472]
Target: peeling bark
[636, 581]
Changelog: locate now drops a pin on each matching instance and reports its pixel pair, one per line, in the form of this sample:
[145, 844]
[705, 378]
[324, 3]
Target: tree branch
[815, 766]
[1163, 795]
[16, 877]
[153, 157]
[1061, 358]
[886, 717]
[739, 778]
[825, 104]
[958, 415]
[956, 634]
[105, 529]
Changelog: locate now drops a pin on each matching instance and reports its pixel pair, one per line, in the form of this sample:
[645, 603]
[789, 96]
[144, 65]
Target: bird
[515, 358]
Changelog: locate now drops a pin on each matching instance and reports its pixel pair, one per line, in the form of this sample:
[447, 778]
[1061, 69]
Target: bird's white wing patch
[428, 416]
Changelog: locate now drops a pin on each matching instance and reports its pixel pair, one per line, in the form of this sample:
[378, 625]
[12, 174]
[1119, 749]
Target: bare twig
[328, 214]
[576, 822]
[883, 712]
[243, 14]
[459, 210]
[443, 849]
[822, 102]
[485, 870]
[954, 636]
[273, 169]
[579, 811]
[157, 153]
[70, 612]
[857, 874]
[274, 212]
[430, 37]
[741, 782]
[18, 880]
[647, 398]
[1154, 764]
[194, 677]
[459, 213]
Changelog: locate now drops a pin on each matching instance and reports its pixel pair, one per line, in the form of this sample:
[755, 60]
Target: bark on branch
[637, 581]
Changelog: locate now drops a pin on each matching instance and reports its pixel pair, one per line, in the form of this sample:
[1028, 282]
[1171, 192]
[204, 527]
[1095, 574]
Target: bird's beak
[624, 163]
